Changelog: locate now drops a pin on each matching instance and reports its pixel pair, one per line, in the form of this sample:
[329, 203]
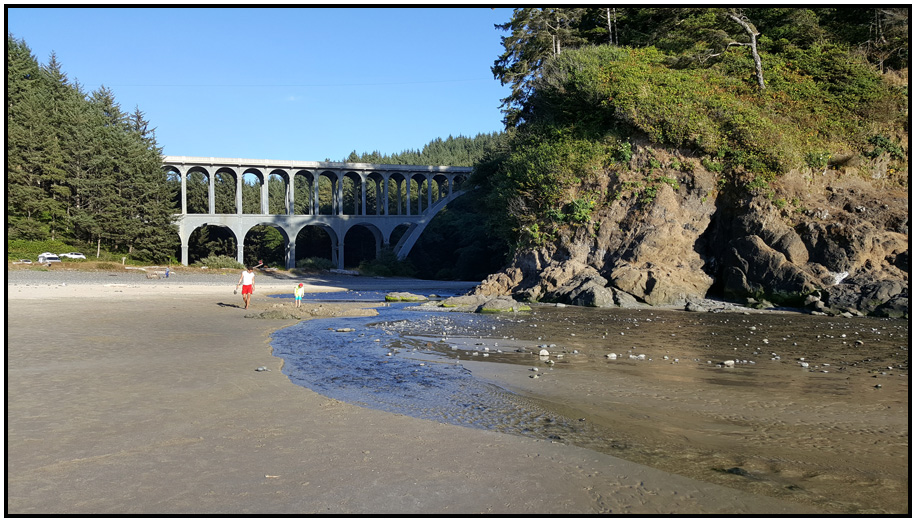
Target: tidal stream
[812, 409]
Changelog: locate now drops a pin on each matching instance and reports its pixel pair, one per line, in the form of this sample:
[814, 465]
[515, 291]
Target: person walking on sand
[298, 293]
[247, 282]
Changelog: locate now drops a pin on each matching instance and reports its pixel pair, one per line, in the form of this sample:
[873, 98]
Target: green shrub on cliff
[572, 143]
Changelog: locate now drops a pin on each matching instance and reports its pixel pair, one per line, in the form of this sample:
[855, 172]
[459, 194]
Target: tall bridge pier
[380, 198]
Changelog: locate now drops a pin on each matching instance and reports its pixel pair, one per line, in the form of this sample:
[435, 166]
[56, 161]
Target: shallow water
[833, 433]
[378, 366]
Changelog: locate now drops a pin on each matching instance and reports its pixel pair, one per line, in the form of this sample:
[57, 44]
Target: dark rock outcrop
[838, 251]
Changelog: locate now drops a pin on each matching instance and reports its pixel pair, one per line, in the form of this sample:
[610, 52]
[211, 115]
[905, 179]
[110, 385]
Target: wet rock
[693, 306]
[502, 305]
[405, 297]
[464, 301]
[273, 314]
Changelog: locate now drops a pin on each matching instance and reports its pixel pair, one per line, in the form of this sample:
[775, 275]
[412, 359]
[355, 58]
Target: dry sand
[138, 399]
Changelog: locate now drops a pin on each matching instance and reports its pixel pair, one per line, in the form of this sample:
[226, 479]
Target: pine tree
[25, 123]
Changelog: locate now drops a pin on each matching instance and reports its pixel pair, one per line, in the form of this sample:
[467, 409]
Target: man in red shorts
[247, 282]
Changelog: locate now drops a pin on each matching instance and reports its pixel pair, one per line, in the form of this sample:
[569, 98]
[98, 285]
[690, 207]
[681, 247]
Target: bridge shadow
[281, 276]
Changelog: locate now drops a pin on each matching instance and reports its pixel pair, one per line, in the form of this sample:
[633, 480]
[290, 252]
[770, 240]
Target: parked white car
[48, 257]
[73, 255]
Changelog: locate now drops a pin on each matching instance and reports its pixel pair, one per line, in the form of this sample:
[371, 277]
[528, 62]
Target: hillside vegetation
[824, 106]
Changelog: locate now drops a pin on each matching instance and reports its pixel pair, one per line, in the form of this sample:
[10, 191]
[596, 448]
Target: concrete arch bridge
[294, 195]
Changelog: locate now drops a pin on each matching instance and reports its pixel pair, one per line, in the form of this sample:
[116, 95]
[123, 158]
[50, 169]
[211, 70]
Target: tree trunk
[610, 29]
[752, 32]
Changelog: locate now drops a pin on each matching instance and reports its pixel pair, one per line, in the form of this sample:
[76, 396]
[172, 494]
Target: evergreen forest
[78, 167]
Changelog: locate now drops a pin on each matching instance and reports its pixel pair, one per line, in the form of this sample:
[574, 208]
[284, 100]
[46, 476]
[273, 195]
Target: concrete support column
[183, 236]
[362, 185]
[336, 249]
[240, 242]
[356, 188]
[407, 182]
[291, 195]
[183, 176]
[315, 194]
[264, 209]
[385, 192]
[429, 192]
[211, 195]
[378, 198]
[238, 192]
[338, 196]
[291, 253]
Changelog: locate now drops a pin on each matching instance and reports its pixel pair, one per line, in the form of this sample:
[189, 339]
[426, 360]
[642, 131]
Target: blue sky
[283, 83]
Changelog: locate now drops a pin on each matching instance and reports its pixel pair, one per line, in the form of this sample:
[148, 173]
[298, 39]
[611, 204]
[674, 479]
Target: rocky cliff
[836, 242]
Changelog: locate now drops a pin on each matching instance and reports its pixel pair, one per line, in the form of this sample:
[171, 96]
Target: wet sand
[833, 434]
[145, 400]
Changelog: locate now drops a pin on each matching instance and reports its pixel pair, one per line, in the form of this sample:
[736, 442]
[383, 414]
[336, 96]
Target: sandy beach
[135, 398]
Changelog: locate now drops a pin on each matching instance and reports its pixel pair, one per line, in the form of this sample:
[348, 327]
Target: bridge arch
[248, 257]
[226, 198]
[372, 231]
[210, 233]
[379, 201]
[313, 229]
[287, 189]
[304, 184]
[199, 191]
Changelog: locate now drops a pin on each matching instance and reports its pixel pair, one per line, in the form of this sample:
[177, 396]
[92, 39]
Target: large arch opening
[211, 240]
[314, 242]
[398, 233]
[458, 244]
[265, 244]
[361, 243]
[198, 191]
